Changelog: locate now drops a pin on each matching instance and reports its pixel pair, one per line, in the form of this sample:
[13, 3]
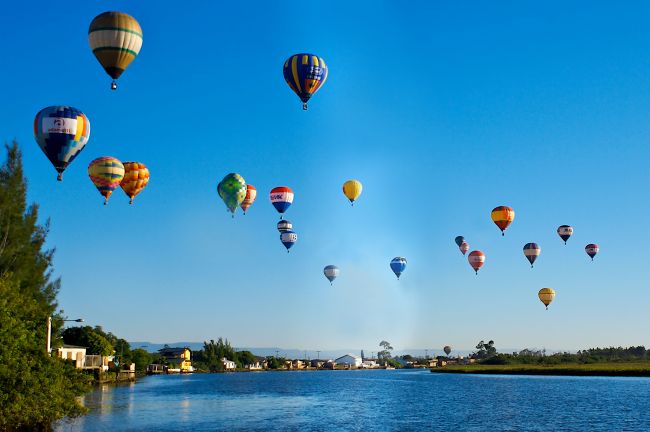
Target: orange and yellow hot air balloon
[251, 194]
[136, 177]
[546, 296]
[106, 173]
[352, 190]
[503, 217]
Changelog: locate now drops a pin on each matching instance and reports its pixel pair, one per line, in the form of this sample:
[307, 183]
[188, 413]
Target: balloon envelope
[61, 132]
[546, 296]
[565, 231]
[331, 272]
[592, 249]
[305, 74]
[285, 225]
[136, 178]
[232, 190]
[476, 259]
[464, 247]
[398, 265]
[288, 238]
[447, 349]
[116, 40]
[459, 240]
[106, 173]
[531, 252]
[251, 194]
[281, 198]
[352, 190]
[502, 217]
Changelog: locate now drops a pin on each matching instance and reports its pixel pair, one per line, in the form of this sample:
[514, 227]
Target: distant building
[255, 366]
[181, 357]
[349, 360]
[369, 364]
[316, 363]
[298, 364]
[73, 353]
[228, 364]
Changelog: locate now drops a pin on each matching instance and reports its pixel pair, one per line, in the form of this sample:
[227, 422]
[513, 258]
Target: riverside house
[349, 360]
[228, 364]
[180, 359]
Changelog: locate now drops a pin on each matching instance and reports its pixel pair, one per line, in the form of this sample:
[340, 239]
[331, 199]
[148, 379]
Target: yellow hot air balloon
[106, 174]
[116, 39]
[352, 190]
[502, 217]
[546, 296]
[136, 177]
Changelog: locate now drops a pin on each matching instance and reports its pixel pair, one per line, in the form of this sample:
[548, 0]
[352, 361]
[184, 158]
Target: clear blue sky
[442, 110]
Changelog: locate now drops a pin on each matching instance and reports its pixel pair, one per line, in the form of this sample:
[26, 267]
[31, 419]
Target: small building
[350, 360]
[329, 364]
[255, 366]
[316, 363]
[73, 353]
[179, 357]
[228, 364]
[369, 364]
[298, 364]
[156, 369]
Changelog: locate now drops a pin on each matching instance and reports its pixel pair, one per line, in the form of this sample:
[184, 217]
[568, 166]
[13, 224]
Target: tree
[485, 350]
[88, 337]
[141, 358]
[385, 353]
[35, 389]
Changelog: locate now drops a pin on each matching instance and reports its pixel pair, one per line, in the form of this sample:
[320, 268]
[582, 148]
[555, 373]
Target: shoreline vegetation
[606, 369]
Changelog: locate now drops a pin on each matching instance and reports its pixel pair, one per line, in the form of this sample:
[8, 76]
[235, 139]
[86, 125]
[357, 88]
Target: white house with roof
[349, 360]
[228, 364]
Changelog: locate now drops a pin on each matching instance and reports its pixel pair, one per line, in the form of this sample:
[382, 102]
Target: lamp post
[49, 331]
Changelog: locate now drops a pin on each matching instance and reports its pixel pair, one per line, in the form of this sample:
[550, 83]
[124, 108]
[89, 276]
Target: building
[317, 363]
[180, 357]
[228, 364]
[298, 364]
[255, 366]
[369, 364]
[73, 353]
[350, 360]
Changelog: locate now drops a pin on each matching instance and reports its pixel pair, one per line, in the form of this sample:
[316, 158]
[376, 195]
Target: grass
[638, 369]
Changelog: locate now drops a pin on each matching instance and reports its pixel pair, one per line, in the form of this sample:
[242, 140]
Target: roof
[73, 346]
[172, 351]
[349, 355]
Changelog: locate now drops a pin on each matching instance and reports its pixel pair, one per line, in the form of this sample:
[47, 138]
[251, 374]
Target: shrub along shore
[631, 369]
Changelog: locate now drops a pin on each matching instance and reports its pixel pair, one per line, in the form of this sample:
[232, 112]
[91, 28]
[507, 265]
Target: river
[399, 400]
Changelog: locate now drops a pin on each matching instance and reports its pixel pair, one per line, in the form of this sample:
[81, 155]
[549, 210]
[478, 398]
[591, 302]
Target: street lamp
[49, 331]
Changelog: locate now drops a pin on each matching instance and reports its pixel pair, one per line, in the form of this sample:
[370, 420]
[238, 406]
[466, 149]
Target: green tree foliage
[209, 358]
[91, 338]
[385, 353]
[35, 389]
[485, 350]
[141, 358]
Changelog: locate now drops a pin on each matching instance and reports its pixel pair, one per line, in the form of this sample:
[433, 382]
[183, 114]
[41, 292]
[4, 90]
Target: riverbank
[632, 369]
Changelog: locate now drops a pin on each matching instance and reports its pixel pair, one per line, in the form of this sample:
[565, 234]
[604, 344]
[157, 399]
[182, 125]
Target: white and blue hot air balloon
[331, 272]
[288, 239]
[398, 265]
[284, 226]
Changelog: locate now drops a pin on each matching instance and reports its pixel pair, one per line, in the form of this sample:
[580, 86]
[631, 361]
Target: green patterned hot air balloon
[232, 190]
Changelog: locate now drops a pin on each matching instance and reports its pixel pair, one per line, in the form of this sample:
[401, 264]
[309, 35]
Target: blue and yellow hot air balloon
[61, 132]
[305, 74]
[232, 190]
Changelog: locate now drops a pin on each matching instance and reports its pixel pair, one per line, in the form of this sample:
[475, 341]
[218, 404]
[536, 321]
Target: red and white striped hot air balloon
[251, 193]
[464, 247]
[592, 249]
[476, 260]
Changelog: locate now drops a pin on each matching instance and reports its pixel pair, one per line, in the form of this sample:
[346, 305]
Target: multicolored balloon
[447, 349]
[398, 265]
[305, 74]
[61, 132]
[284, 226]
[288, 238]
[106, 173]
[592, 249]
[232, 190]
[464, 247]
[502, 217]
[331, 272]
[136, 178]
[565, 231]
[531, 252]
[546, 296]
[459, 240]
[352, 190]
[116, 40]
[476, 259]
[251, 194]
[281, 198]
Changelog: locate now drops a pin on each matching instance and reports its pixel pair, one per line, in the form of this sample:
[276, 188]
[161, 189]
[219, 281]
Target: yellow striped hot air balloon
[546, 296]
[502, 217]
[116, 39]
[106, 173]
[352, 190]
[136, 177]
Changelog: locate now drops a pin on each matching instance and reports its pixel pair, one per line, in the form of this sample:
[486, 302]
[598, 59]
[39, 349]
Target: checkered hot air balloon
[502, 217]
[116, 40]
[281, 198]
[251, 194]
[136, 178]
[61, 132]
[398, 265]
[288, 239]
[565, 231]
[232, 190]
[531, 252]
[476, 259]
[305, 74]
[106, 173]
[331, 272]
[592, 249]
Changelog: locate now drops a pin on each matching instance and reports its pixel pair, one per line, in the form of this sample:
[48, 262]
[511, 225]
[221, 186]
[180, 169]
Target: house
[405, 363]
[329, 364]
[73, 353]
[298, 364]
[350, 360]
[369, 364]
[228, 364]
[178, 356]
[317, 363]
[255, 366]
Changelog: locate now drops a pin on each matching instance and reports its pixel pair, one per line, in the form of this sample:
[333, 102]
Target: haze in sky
[443, 110]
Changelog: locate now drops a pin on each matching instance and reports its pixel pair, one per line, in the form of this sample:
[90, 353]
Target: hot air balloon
[61, 132]
[464, 247]
[447, 349]
[592, 249]
[107, 174]
[305, 74]
[503, 217]
[288, 239]
[459, 240]
[251, 193]
[281, 198]
[546, 296]
[476, 260]
[565, 231]
[352, 190]
[136, 177]
[232, 190]
[532, 251]
[398, 265]
[284, 226]
[116, 39]
[331, 272]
